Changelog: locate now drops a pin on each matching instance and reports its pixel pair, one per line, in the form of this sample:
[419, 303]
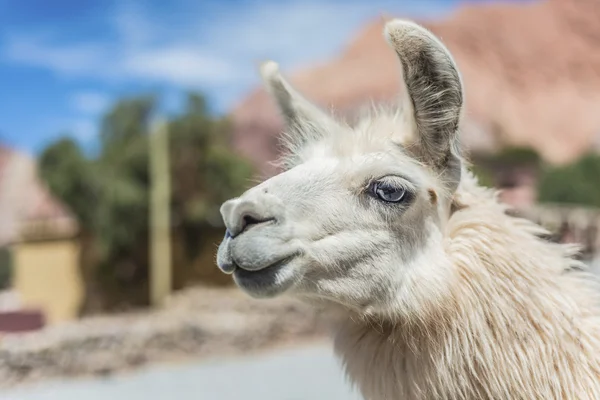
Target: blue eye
[388, 192]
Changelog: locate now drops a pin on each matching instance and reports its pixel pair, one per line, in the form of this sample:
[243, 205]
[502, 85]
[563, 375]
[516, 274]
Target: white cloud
[90, 102]
[83, 129]
[179, 65]
[211, 47]
[67, 59]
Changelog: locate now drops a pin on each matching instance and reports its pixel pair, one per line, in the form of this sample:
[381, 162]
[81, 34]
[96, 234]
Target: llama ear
[433, 96]
[304, 121]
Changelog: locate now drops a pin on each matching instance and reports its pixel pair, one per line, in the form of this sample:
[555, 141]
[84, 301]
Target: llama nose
[238, 215]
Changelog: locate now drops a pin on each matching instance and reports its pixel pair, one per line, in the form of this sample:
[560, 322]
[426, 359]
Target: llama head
[357, 217]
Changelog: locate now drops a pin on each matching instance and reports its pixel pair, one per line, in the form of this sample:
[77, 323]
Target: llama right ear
[433, 97]
[304, 121]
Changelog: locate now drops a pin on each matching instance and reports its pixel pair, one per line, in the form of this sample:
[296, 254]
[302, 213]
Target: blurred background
[124, 125]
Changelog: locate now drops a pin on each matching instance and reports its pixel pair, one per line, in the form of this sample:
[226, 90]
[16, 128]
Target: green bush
[576, 183]
[484, 176]
[5, 268]
[516, 156]
[489, 168]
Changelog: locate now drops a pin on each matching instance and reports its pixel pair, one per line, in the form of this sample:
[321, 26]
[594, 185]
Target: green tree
[204, 172]
[110, 193]
[71, 178]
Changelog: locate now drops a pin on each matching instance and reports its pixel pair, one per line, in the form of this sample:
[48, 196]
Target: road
[308, 373]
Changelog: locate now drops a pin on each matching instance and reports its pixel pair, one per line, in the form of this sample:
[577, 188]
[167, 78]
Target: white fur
[442, 296]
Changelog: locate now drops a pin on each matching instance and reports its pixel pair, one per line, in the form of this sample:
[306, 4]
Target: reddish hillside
[531, 72]
[23, 198]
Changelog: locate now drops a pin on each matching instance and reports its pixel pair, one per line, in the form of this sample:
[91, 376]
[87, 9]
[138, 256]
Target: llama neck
[514, 324]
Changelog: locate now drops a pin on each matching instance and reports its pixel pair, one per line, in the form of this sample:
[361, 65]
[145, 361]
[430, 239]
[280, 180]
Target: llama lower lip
[264, 282]
[244, 273]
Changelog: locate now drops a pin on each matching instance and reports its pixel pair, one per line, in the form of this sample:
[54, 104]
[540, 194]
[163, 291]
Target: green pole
[160, 225]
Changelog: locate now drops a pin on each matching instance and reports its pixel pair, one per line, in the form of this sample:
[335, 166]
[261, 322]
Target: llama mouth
[266, 282]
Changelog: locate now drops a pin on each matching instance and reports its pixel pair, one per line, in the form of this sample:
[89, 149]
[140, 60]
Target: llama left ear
[433, 97]
[304, 121]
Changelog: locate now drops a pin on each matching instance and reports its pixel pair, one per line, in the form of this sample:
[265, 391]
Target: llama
[437, 292]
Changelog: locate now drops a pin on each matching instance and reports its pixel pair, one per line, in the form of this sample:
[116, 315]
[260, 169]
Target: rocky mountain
[531, 72]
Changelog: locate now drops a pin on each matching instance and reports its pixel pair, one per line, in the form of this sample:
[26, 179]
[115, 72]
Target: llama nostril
[240, 215]
[251, 220]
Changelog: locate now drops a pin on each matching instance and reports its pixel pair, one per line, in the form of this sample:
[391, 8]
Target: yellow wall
[46, 276]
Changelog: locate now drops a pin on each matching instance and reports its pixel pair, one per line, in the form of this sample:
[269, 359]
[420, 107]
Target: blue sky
[63, 62]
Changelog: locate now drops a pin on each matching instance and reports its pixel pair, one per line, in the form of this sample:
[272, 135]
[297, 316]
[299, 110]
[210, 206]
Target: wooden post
[160, 224]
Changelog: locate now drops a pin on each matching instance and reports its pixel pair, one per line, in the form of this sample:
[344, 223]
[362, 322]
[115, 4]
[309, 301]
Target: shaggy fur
[511, 324]
[440, 295]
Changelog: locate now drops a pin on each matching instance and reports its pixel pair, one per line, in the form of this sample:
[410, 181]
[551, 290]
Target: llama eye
[388, 192]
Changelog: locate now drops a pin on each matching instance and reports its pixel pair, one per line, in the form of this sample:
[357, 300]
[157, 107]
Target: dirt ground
[196, 323]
